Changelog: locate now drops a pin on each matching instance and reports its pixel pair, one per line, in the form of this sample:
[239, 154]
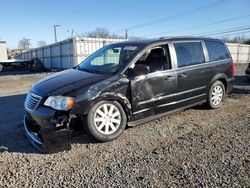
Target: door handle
[183, 75]
[169, 78]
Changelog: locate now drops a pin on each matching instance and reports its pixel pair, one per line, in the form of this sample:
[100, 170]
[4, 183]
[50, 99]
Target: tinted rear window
[189, 53]
[216, 51]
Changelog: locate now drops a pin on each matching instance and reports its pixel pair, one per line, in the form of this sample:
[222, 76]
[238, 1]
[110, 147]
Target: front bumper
[40, 128]
[32, 136]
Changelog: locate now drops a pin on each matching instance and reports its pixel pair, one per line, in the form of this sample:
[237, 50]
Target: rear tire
[106, 121]
[216, 95]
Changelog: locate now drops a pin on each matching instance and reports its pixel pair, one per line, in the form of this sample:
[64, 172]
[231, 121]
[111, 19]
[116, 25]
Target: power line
[191, 11]
[199, 26]
[232, 32]
[221, 35]
[223, 31]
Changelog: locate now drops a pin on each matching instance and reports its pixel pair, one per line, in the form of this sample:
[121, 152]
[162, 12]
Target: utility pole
[55, 26]
[126, 33]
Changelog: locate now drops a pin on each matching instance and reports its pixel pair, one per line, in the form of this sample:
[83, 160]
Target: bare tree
[247, 41]
[41, 43]
[100, 32]
[24, 44]
[237, 39]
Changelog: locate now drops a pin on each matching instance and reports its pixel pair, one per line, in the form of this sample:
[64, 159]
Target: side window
[189, 53]
[216, 51]
[156, 58]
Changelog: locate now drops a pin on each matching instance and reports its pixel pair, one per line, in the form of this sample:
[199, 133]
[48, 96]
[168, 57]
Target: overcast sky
[34, 19]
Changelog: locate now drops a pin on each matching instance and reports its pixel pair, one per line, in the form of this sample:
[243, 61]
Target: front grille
[32, 100]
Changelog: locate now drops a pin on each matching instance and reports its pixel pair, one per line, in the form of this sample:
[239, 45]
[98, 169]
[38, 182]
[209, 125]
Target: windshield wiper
[83, 69]
[90, 71]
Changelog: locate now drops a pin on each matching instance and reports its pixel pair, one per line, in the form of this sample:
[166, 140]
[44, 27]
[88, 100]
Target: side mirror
[140, 70]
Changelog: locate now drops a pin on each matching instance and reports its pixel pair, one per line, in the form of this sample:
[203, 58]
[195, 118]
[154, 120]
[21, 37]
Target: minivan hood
[65, 81]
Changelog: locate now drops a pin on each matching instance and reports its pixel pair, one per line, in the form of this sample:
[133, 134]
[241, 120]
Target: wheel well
[126, 110]
[224, 83]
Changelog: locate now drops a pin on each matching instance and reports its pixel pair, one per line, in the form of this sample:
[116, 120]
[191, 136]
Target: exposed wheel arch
[224, 81]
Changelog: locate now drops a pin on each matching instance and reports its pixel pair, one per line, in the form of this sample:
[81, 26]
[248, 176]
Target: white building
[3, 51]
[67, 53]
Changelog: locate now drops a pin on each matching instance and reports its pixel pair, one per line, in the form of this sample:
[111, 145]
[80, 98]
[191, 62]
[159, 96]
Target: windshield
[109, 59]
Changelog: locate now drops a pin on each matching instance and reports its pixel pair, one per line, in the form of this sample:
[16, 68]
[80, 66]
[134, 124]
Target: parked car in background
[34, 65]
[248, 72]
[125, 84]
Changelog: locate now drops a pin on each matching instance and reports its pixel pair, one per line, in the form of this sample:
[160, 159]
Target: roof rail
[164, 37]
[180, 37]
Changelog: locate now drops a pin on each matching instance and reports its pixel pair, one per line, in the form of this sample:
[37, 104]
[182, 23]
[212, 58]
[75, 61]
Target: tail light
[233, 68]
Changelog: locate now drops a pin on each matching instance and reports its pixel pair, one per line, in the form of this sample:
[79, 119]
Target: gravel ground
[193, 148]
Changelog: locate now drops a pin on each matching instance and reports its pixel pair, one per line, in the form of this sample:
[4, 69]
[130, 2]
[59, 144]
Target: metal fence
[240, 52]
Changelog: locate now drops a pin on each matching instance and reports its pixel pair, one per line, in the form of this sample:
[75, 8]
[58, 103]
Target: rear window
[216, 51]
[189, 53]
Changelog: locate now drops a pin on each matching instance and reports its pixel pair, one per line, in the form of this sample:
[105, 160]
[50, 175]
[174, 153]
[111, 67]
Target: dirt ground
[193, 148]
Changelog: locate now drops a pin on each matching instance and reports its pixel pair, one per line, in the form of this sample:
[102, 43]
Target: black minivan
[125, 84]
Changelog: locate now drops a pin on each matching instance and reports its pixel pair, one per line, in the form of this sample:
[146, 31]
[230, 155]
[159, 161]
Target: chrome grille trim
[32, 101]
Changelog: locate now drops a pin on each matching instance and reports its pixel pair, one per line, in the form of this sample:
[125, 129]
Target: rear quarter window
[216, 51]
[189, 53]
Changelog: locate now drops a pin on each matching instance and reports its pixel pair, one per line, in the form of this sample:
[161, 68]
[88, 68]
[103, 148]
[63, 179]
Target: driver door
[154, 89]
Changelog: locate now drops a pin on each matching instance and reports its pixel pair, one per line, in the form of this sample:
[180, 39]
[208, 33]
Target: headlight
[60, 102]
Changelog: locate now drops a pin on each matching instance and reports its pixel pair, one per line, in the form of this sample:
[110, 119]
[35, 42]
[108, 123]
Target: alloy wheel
[217, 95]
[107, 119]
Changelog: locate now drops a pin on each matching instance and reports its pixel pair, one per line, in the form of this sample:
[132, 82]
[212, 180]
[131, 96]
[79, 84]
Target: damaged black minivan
[125, 84]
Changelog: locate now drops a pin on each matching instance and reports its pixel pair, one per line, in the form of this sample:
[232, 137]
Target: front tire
[106, 120]
[216, 95]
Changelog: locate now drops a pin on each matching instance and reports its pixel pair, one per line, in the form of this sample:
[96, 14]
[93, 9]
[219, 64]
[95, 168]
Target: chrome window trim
[205, 51]
[203, 64]
[137, 57]
[155, 74]
[227, 49]
[173, 56]
[188, 41]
